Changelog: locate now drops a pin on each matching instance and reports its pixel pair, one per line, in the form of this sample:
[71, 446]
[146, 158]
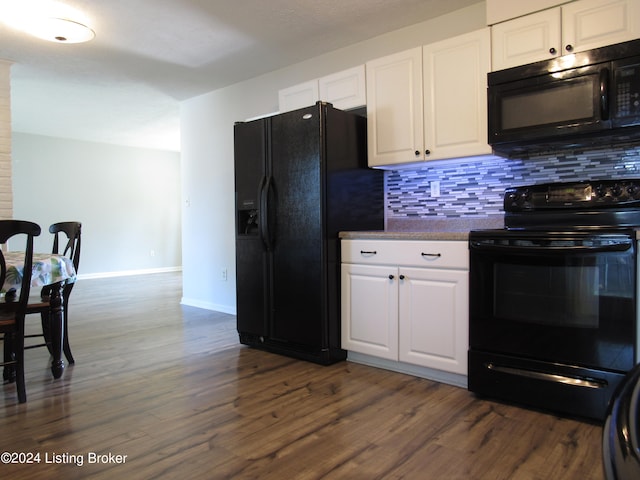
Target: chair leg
[18, 353]
[46, 329]
[20, 383]
[14, 350]
[9, 371]
[65, 344]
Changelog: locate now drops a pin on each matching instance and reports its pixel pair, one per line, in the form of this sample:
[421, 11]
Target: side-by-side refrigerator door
[250, 163]
[295, 202]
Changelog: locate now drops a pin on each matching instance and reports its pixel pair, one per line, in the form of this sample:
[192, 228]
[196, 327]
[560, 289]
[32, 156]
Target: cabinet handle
[417, 153]
[552, 51]
[569, 48]
[401, 277]
[391, 277]
[436, 255]
[368, 252]
[427, 152]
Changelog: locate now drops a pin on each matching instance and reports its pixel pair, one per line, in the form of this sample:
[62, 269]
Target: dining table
[48, 269]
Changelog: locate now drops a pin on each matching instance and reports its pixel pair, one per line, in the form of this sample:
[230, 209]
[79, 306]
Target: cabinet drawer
[415, 253]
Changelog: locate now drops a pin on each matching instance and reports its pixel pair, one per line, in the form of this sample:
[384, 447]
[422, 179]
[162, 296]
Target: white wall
[6, 196]
[128, 200]
[207, 150]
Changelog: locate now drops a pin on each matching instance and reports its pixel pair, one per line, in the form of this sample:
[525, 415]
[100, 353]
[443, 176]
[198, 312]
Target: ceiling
[125, 86]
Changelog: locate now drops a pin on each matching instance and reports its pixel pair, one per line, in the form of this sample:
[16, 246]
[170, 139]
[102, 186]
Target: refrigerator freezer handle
[265, 186]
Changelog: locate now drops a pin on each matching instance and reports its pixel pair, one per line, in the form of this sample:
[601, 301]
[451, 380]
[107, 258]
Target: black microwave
[585, 99]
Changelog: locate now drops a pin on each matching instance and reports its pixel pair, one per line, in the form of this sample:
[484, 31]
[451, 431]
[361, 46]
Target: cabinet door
[433, 320]
[394, 108]
[369, 308]
[501, 10]
[345, 90]
[298, 96]
[455, 96]
[588, 24]
[526, 39]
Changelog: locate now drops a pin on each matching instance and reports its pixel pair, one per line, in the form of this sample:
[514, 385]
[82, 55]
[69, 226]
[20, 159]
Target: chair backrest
[73, 232]
[9, 229]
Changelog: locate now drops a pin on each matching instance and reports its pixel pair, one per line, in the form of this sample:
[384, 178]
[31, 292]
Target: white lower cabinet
[407, 302]
[433, 318]
[370, 310]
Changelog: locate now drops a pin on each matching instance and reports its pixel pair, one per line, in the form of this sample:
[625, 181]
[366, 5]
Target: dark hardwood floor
[170, 391]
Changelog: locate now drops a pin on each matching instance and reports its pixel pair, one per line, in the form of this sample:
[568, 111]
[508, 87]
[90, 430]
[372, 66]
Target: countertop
[443, 234]
[387, 235]
[427, 229]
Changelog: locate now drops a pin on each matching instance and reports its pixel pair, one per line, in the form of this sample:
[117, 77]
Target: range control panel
[592, 194]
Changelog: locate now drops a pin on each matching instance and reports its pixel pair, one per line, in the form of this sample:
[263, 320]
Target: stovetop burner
[591, 204]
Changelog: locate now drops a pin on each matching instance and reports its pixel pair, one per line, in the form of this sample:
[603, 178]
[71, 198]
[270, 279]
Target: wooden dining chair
[13, 308]
[71, 233]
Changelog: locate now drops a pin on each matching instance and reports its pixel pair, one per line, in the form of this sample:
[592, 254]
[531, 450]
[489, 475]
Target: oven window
[548, 295]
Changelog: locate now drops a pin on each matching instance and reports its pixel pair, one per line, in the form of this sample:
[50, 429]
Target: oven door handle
[549, 377]
[622, 246]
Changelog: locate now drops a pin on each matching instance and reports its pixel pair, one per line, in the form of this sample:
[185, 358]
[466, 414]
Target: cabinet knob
[569, 48]
[552, 51]
[417, 153]
[391, 277]
[401, 277]
[427, 152]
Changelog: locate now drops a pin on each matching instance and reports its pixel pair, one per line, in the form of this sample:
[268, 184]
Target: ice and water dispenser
[248, 221]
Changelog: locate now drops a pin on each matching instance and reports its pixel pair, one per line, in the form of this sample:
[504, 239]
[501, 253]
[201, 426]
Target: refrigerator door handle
[261, 210]
[264, 212]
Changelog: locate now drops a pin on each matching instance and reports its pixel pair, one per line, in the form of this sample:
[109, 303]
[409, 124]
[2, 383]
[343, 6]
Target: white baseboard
[124, 273]
[230, 309]
[191, 302]
[449, 378]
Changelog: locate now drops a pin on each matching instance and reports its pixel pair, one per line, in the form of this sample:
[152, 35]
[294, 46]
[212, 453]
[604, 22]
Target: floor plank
[170, 387]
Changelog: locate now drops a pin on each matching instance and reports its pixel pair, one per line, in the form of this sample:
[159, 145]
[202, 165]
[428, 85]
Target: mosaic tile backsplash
[473, 188]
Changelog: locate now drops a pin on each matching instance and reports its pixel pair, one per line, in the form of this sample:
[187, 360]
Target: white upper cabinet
[501, 10]
[345, 90]
[588, 24]
[573, 27]
[526, 39]
[429, 103]
[298, 96]
[394, 108]
[455, 96]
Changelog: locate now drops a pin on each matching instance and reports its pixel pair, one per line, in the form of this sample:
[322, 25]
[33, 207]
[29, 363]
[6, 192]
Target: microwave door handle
[604, 94]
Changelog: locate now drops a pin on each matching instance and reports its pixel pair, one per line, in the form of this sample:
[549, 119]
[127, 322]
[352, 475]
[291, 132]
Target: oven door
[552, 318]
[555, 297]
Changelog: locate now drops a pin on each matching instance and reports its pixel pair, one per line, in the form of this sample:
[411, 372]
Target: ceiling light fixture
[46, 19]
[59, 30]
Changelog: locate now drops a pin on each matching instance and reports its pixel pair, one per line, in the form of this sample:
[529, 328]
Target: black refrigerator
[300, 178]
